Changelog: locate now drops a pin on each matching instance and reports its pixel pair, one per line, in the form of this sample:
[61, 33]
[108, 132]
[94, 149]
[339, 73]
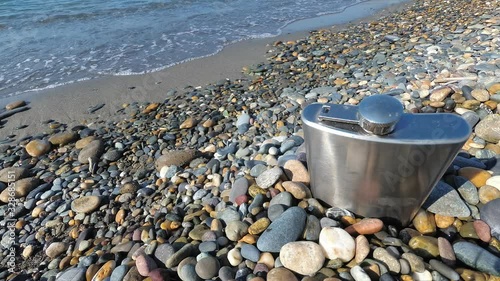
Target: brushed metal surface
[380, 176]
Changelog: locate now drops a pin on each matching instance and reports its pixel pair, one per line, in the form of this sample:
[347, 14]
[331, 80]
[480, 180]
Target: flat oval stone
[240, 187]
[445, 270]
[365, 227]
[313, 228]
[425, 246]
[384, 256]
[483, 230]
[105, 271]
[10, 174]
[22, 188]
[86, 204]
[488, 193]
[63, 138]
[145, 264]
[297, 189]
[359, 274]
[281, 274]
[93, 151]
[303, 257]
[207, 267]
[446, 251]
[259, 226]
[337, 244]
[286, 228]
[235, 230]
[269, 178]
[36, 148]
[55, 249]
[477, 257]
[250, 252]
[362, 248]
[119, 273]
[489, 128]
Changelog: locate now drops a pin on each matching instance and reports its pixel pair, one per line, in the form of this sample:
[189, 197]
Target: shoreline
[68, 104]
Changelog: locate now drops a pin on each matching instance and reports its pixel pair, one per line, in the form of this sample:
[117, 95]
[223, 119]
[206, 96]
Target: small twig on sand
[453, 79]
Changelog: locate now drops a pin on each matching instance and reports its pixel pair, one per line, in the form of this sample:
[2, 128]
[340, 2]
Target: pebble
[467, 190]
[416, 262]
[234, 257]
[15, 104]
[22, 188]
[73, 274]
[489, 128]
[175, 158]
[425, 246]
[281, 274]
[488, 193]
[337, 243]
[477, 257]
[105, 271]
[296, 171]
[269, 177]
[286, 228]
[37, 148]
[446, 251]
[250, 252]
[303, 257]
[446, 201]
[55, 249]
[424, 222]
[384, 256]
[235, 230]
[490, 214]
[145, 264]
[259, 226]
[86, 204]
[63, 138]
[297, 189]
[119, 273]
[444, 270]
[365, 226]
[208, 267]
[359, 274]
[240, 187]
[494, 181]
[92, 151]
[480, 95]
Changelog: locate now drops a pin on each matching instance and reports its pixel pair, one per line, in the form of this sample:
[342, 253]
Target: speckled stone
[269, 177]
[424, 222]
[384, 256]
[416, 262]
[444, 200]
[477, 257]
[281, 274]
[296, 171]
[207, 267]
[303, 257]
[425, 246]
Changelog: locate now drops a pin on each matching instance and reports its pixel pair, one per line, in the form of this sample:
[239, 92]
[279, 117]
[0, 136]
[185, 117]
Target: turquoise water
[52, 42]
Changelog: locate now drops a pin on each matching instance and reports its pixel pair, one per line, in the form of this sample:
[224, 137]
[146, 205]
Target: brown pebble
[296, 171]
[488, 193]
[91, 271]
[482, 230]
[443, 221]
[362, 248]
[424, 222]
[477, 176]
[281, 274]
[365, 227]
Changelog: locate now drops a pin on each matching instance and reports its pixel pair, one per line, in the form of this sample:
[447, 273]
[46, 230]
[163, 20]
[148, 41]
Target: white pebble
[494, 181]
[337, 243]
[359, 274]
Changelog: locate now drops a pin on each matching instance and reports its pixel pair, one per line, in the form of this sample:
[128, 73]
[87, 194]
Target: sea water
[46, 43]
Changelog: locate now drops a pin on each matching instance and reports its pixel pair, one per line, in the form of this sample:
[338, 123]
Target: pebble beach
[212, 183]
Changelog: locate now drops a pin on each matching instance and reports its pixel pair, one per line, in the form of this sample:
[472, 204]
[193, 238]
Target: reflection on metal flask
[374, 159]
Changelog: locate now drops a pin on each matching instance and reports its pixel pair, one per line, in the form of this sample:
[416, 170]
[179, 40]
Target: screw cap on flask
[379, 114]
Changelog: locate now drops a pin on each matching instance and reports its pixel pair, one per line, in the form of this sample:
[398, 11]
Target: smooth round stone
[268, 178]
[281, 274]
[36, 148]
[384, 256]
[226, 273]
[55, 249]
[296, 171]
[443, 221]
[235, 230]
[490, 215]
[228, 215]
[112, 155]
[489, 128]
[467, 231]
[286, 228]
[63, 138]
[282, 198]
[234, 257]
[84, 142]
[425, 246]
[240, 187]
[207, 267]
[250, 252]
[488, 193]
[405, 266]
[93, 151]
[297, 189]
[175, 158]
[359, 274]
[86, 204]
[482, 230]
[337, 244]
[444, 270]
[145, 264]
[188, 273]
[365, 227]
[440, 94]
[424, 222]
[119, 273]
[477, 257]
[184, 252]
[10, 174]
[303, 257]
[207, 247]
[259, 226]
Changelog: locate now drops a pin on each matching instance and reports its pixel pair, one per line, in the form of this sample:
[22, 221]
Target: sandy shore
[68, 104]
